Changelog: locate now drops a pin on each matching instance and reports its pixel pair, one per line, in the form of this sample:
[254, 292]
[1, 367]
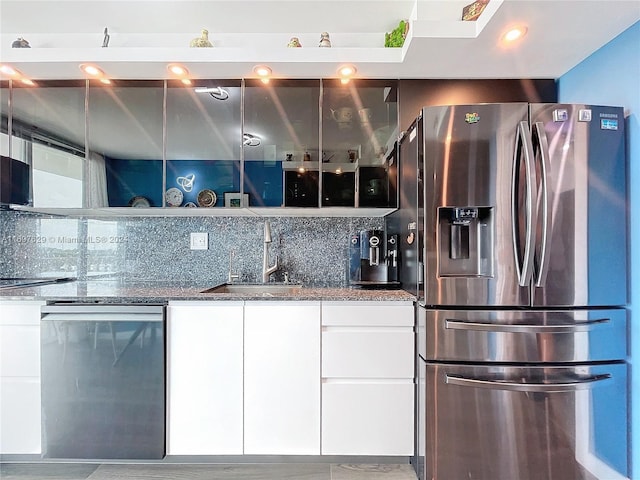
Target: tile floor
[312, 471]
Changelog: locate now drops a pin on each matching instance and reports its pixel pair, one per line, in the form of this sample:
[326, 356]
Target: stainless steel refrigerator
[522, 329]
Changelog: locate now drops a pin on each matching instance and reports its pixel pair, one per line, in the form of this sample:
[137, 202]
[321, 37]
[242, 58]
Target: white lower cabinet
[366, 418]
[367, 378]
[20, 406]
[205, 378]
[282, 378]
[290, 378]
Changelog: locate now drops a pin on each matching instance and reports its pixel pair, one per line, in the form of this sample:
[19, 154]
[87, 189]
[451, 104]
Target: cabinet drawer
[367, 418]
[20, 312]
[367, 314]
[367, 352]
[19, 351]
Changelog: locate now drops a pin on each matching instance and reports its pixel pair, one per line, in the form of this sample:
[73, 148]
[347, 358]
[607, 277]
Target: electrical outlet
[199, 241]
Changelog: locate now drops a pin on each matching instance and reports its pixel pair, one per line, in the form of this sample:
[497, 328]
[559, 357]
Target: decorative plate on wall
[174, 197]
[207, 198]
[139, 201]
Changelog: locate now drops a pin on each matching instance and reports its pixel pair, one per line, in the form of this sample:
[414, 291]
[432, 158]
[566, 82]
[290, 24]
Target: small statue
[294, 43]
[20, 43]
[105, 41]
[202, 40]
[324, 40]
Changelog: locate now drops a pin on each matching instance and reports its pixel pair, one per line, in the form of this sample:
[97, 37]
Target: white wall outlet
[199, 241]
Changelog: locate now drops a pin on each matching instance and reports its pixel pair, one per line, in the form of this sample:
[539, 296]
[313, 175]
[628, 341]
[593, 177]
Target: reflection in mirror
[48, 131]
[203, 140]
[359, 128]
[281, 144]
[125, 159]
[4, 118]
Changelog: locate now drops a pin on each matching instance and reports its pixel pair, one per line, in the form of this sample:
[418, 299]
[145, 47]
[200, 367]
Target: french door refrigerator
[522, 327]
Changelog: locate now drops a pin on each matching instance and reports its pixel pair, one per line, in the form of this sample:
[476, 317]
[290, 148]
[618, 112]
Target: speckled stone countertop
[116, 291]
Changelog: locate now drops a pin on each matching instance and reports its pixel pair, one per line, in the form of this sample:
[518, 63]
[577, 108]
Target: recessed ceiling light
[347, 71]
[91, 70]
[7, 70]
[262, 70]
[178, 70]
[514, 34]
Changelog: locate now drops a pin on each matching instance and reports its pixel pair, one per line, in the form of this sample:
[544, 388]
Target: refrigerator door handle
[583, 384]
[540, 138]
[524, 144]
[453, 324]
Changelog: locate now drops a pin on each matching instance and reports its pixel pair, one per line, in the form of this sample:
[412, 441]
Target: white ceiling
[147, 34]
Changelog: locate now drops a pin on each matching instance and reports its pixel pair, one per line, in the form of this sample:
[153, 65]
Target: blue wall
[611, 76]
[129, 178]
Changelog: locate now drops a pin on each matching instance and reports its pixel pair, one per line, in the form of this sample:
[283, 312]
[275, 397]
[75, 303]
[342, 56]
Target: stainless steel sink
[255, 288]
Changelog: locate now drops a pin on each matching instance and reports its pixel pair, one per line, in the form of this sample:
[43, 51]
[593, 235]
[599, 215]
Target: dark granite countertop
[128, 291]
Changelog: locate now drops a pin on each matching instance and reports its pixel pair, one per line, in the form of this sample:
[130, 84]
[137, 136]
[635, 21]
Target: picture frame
[235, 199]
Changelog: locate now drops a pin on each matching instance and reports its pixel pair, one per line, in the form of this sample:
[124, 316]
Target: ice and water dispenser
[465, 241]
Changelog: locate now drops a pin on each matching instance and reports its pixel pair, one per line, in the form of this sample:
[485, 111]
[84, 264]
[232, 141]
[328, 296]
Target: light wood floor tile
[46, 471]
[372, 472]
[213, 472]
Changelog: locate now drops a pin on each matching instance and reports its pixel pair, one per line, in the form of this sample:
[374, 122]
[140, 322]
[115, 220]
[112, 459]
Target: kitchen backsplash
[313, 250]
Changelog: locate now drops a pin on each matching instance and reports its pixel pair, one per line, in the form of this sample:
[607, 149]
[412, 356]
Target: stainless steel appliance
[103, 381]
[373, 258]
[523, 327]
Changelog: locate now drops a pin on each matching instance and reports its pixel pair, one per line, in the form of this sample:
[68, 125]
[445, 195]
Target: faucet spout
[266, 269]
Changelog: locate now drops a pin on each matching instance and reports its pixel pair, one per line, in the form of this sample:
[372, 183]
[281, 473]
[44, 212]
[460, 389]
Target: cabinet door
[367, 418]
[359, 128]
[282, 378]
[125, 140]
[20, 415]
[20, 377]
[281, 135]
[49, 134]
[203, 141]
[205, 379]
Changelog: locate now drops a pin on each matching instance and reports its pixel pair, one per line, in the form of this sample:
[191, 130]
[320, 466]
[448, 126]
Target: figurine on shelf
[20, 43]
[294, 43]
[472, 11]
[202, 40]
[324, 40]
[105, 40]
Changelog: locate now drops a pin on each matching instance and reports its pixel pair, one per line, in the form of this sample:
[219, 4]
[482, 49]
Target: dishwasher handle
[82, 312]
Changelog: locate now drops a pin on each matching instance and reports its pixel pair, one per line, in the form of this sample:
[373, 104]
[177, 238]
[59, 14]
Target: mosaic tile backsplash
[312, 250]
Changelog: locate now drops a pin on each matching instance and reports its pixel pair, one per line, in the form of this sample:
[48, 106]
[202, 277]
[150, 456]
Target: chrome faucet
[232, 276]
[266, 269]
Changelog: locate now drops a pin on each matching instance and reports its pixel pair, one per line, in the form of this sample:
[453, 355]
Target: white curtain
[96, 182]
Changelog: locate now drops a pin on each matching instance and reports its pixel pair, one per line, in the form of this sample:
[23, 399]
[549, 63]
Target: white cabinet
[205, 367]
[20, 377]
[282, 378]
[367, 378]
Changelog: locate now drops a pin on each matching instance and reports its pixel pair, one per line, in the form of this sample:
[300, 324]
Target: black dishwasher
[103, 381]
